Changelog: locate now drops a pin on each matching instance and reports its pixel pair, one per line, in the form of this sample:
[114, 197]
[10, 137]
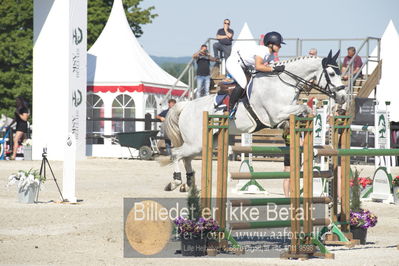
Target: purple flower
[195, 228]
[363, 219]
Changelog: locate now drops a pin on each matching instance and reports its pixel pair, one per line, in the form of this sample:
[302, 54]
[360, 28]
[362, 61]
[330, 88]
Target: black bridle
[301, 83]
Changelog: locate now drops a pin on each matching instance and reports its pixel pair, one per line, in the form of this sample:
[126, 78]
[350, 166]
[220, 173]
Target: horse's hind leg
[176, 181]
[189, 175]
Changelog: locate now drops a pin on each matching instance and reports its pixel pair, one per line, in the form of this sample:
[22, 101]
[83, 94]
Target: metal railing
[337, 43]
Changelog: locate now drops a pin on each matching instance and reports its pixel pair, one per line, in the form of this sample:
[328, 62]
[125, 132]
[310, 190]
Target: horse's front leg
[297, 109]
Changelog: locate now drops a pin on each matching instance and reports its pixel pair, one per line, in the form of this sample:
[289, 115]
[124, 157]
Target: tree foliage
[16, 34]
[16, 39]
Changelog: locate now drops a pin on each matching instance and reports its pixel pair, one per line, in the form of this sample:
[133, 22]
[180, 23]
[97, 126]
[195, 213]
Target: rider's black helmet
[273, 38]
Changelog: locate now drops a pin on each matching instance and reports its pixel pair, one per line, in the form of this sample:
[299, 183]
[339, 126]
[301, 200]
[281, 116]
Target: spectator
[21, 118]
[225, 40]
[203, 70]
[357, 64]
[162, 116]
[313, 52]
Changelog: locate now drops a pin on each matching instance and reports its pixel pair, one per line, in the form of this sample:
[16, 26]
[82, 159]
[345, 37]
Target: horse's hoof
[184, 188]
[172, 185]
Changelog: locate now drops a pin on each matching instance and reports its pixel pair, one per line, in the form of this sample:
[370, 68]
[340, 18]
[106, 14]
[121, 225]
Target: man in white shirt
[257, 59]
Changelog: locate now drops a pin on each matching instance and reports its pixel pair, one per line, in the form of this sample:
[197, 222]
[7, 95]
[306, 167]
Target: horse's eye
[332, 74]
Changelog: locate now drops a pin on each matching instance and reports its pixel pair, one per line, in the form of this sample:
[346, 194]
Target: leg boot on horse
[175, 182]
[190, 182]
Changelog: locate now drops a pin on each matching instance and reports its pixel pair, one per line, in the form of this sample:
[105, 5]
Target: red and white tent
[123, 80]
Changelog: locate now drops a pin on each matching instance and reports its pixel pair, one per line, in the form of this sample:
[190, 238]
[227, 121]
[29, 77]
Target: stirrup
[233, 112]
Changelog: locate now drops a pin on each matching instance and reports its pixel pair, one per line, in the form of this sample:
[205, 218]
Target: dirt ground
[91, 232]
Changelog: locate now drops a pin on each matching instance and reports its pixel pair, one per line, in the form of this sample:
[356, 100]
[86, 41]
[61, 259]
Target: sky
[183, 25]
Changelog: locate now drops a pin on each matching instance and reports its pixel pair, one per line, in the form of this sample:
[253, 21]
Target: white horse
[273, 98]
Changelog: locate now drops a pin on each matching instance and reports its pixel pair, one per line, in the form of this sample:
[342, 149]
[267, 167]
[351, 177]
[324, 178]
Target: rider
[246, 61]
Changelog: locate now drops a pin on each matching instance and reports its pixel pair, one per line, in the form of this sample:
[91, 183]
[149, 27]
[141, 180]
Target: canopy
[117, 62]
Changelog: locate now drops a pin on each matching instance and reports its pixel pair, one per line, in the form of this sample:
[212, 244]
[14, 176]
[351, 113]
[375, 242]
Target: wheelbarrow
[143, 141]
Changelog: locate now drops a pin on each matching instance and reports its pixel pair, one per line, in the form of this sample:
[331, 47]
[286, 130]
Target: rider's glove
[279, 69]
[251, 69]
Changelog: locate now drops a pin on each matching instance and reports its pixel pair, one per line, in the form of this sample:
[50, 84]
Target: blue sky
[182, 25]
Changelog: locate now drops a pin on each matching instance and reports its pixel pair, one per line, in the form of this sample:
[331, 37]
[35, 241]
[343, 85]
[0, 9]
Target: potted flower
[194, 231]
[360, 219]
[27, 147]
[27, 183]
[395, 187]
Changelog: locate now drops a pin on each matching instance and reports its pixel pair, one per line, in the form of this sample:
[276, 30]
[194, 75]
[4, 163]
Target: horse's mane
[296, 59]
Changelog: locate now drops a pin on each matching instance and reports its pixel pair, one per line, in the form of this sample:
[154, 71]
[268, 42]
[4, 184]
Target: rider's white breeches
[235, 68]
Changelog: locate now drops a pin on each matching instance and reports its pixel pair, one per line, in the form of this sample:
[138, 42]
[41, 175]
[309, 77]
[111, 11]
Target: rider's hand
[279, 69]
[251, 69]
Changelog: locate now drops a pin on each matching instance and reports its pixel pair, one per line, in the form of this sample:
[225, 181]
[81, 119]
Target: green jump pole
[274, 224]
[261, 150]
[275, 175]
[277, 201]
[357, 152]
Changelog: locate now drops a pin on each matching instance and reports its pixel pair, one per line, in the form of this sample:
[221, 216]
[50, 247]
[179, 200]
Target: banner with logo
[75, 143]
[77, 69]
[320, 127]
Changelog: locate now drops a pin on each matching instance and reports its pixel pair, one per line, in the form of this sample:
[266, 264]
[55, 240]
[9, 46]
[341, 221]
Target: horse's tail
[171, 125]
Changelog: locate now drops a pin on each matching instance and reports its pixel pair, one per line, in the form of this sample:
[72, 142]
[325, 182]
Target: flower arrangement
[359, 218]
[194, 226]
[188, 228]
[363, 219]
[24, 179]
[395, 181]
[27, 142]
[363, 181]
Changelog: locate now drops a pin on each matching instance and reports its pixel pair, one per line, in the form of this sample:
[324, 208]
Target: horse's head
[330, 78]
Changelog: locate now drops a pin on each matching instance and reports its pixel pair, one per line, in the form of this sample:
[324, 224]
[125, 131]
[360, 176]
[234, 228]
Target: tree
[99, 10]
[16, 35]
[16, 39]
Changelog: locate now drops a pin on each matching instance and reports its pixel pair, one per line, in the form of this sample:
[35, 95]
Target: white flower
[24, 179]
[27, 142]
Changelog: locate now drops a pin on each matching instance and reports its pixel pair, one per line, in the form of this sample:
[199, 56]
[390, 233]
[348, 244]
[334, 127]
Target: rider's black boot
[234, 97]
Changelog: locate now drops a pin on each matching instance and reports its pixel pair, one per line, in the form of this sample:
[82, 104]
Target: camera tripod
[43, 173]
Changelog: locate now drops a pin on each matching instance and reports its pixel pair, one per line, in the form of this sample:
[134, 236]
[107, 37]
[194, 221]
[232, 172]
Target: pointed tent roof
[245, 34]
[117, 61]
[389, 76]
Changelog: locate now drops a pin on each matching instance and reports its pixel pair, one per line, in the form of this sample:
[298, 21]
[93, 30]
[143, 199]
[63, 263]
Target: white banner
[382, 133]
[78, 79]
[320, 127]
[75, 147]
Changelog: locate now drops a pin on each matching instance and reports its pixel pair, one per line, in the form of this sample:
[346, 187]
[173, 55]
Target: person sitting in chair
[241, 63]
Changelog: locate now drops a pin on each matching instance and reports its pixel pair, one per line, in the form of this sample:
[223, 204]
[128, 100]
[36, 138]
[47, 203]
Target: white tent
[118, 65]
[245, 34]
[117, 59]
[387, 90]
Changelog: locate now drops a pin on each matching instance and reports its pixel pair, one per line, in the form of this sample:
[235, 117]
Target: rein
[327, 91]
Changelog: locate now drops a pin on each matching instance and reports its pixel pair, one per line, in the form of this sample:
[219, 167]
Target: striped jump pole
[276, 175]
[277, 201]
[275, 224]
